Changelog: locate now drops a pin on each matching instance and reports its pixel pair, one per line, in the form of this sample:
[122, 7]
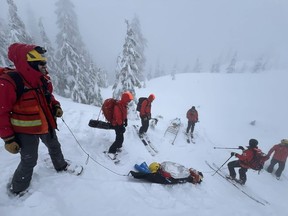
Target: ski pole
[225, 148]
[222, 165]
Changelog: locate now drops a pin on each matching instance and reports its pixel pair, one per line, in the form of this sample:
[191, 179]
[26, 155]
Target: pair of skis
[240, 187]
[146, 141]
[189, 138]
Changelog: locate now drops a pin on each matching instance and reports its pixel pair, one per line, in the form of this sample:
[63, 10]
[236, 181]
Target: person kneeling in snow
[167, 173]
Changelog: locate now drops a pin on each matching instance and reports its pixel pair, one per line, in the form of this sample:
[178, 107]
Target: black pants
[117, 144]
[242, 171]
[29, 154]
[281, 166]
[145, 125]
[190, 125]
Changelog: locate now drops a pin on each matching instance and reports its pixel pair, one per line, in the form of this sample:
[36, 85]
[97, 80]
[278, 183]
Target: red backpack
[258, 160]
[12, 76]
[108, 108]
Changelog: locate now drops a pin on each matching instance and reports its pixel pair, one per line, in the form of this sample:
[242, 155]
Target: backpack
[12, 75]
[139, 104]
[108, 108]
[258, 160]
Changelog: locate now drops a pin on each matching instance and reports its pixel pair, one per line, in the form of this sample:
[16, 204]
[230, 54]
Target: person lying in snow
[167, 173]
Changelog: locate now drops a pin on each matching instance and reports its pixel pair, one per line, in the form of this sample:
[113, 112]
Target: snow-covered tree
[173, 72]
[259, 65]
[17, 30]
[232, 66]
[141, 44]
[127, 70]
[53, 68]
[74, 60]
[3, 45]
[215, 68]
[197, 67]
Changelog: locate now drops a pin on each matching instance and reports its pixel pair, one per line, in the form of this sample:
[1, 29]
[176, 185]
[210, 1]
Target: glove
[126, 122]
[11, 145]
[120, 129]
[58, 111]
[145, 118]
[241, 147]
[149, 116]
[233, 154]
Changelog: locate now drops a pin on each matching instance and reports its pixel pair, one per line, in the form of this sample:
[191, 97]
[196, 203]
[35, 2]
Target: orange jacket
[280, 152]
[32, 112]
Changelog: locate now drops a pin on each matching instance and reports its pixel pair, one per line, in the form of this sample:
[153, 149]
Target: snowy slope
[226, 103]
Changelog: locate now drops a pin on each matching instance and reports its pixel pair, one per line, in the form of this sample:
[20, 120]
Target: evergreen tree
[17, 30]
[141, 44]
[232, 66]
[127, 70]
[3, 45]
[197, 67]
[74, 60]
[53, 68]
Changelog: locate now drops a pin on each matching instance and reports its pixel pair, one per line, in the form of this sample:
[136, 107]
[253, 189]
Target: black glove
[125, 122]
[241, 147]
[233, 154]
[120, 129]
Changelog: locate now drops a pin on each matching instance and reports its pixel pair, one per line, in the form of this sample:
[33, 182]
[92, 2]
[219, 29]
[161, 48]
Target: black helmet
[253, 143]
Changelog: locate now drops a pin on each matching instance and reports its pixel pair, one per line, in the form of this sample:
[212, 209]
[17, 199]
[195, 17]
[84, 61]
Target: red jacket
[145, 110]
[192, 115]
[31, 113]
[246, 157]
[120, 112]
[280, 152]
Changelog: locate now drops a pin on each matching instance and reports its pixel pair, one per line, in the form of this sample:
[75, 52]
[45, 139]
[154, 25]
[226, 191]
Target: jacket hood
[17, 53]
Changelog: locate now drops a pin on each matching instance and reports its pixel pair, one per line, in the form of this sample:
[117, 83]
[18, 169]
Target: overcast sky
[177, 31]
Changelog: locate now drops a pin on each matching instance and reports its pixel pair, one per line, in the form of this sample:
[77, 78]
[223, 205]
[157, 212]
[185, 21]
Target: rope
[88, 156]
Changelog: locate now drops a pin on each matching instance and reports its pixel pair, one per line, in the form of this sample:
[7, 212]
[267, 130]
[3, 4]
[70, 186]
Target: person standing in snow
[145, 114]
[119, 122]
[32, 116]
[280, 156]
[243, 162]
[192, 116]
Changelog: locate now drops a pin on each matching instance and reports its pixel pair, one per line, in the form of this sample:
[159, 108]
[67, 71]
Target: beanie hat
[284, 141]
[151, 97]
[126, 97]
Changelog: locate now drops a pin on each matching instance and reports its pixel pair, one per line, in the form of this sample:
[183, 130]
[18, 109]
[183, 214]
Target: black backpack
[139, 104]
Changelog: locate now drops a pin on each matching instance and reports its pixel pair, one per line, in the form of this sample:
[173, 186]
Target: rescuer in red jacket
[26, 120]
[119, 122]
[280, 156]
[243, 162]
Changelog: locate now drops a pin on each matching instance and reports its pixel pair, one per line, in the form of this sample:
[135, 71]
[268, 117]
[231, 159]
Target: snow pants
[29, 154]
[145, 125]
[281, 166]
[191, 126]
[117, 144]
[242, 171]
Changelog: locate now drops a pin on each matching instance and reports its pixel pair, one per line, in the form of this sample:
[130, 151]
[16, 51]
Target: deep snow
[226, 103]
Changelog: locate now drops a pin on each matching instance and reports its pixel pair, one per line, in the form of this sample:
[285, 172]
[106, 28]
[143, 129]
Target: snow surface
[226, 103]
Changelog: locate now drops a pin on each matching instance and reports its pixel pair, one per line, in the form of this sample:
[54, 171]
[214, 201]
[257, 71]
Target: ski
[235, 184]
[189, 138]
[115, 159]
[146, 141]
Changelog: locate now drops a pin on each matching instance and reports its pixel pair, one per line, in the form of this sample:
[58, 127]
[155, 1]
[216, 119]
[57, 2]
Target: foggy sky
[178, 31]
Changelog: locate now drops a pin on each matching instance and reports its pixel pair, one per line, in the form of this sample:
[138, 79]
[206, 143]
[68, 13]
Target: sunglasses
[42, 63]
